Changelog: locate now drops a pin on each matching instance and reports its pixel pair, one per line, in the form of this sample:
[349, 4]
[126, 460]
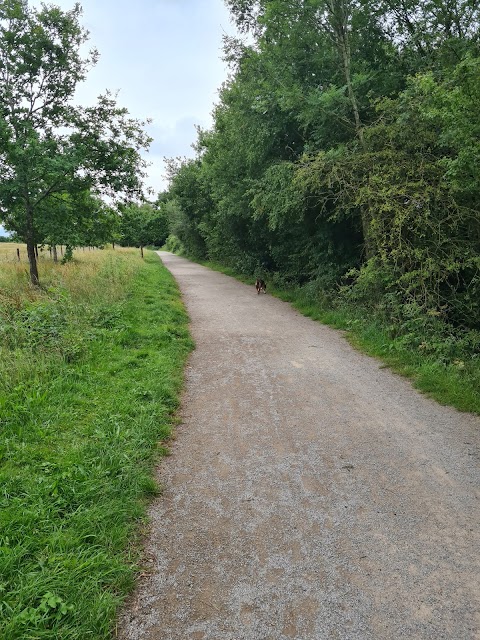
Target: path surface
[311, 494]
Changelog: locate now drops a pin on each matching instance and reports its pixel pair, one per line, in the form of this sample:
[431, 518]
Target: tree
[49, 146]
[143, 224]
[76, 220]
[194, 203]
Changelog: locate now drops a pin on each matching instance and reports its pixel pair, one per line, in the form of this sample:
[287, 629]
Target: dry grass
[80, 277]
[8, 252]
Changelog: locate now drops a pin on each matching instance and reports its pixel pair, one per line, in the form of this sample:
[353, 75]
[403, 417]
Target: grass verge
[454, 383]
[90, 373]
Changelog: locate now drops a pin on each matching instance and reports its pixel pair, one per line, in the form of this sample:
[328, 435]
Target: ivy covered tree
[48, 145]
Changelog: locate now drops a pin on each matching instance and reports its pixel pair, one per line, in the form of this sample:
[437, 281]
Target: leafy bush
[174, 245]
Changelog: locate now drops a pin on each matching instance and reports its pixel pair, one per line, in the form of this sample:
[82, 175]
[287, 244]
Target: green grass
[90, 374]
[454, 383]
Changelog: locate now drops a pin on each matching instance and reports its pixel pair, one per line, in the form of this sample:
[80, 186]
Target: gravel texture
[311, 494]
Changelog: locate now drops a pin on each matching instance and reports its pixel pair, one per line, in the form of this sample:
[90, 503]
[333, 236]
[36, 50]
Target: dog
[260, 286]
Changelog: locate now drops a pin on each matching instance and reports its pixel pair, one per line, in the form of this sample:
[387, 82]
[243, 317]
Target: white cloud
[164, 58]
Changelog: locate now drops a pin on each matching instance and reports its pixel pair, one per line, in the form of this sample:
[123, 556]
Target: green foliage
[173, 244]
[89, 380]
[76, 220]
[425, 221]
[189, 206]
[51, 152]
[143, 225]
[276, 199]
[343, 159]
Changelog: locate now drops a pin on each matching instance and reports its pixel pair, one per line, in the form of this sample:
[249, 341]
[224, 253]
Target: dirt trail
[311, 494]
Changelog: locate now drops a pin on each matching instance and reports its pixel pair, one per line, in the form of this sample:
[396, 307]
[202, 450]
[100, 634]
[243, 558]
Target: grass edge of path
[78, 465]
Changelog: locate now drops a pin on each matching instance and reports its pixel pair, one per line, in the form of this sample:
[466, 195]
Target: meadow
[8, 254]
[91, 367]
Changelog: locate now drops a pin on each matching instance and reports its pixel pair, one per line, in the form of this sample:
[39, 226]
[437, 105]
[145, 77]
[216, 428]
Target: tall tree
[344, 149]
[47, 144]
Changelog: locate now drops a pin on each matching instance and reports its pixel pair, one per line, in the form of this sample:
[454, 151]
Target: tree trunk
[18, 254]
[32, 258]
[339, 21]
[113, 245]
[36, 251]
[54, 251]
[351, 94]
[141, 250]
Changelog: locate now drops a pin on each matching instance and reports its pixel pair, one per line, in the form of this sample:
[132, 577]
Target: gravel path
[311, 494]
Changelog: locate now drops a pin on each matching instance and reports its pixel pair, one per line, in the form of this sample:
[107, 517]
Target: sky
[164, 58]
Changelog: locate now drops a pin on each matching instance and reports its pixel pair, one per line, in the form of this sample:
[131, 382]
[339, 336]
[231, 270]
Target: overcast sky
[164, 57]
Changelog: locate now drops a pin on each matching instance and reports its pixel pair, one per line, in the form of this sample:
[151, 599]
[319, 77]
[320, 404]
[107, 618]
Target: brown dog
[260, 285]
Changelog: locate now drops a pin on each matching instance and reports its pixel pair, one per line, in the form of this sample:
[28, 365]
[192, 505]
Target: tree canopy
[344, 155]
[142, 225]
[53, 153]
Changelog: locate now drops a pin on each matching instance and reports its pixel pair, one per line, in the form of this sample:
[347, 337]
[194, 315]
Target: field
[8, 253]
[91, 366]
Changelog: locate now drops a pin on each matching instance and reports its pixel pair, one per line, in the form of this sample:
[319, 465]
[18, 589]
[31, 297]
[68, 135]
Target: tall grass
[8, 252]
[90, 372]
